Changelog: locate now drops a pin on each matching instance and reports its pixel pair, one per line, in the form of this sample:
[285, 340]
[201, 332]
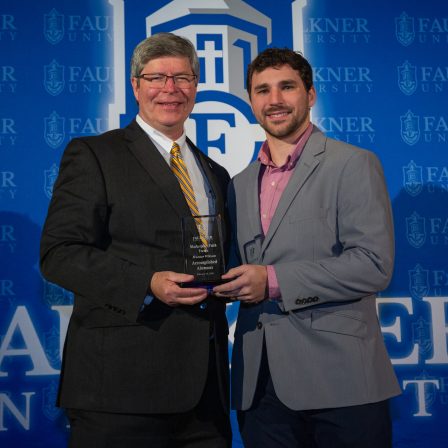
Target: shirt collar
[264, 155]
[162, 140]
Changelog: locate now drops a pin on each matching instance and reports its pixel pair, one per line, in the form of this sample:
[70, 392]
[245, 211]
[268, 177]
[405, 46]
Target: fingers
[165, 286]
[247, 284]
[234, 272]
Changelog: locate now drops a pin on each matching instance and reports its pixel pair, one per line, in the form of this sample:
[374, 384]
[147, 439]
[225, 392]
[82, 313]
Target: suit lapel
[152, 161]
[252, 199]
[308, 162]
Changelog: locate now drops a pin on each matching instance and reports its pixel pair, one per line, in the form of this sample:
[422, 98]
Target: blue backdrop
[381, 74]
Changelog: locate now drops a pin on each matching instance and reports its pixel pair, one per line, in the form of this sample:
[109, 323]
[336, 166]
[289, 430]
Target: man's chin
[280, 131]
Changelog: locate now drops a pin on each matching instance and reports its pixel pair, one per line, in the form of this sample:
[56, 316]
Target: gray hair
[162, 45]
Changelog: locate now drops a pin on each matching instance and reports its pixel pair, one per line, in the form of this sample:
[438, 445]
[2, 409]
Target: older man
[145, 361]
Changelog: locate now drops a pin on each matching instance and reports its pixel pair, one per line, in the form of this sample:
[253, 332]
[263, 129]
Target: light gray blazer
[331, 244]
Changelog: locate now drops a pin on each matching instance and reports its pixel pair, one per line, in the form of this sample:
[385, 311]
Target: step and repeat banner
[381, 75]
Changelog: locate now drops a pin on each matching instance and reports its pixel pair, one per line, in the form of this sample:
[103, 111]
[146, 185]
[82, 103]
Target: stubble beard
[283, 132]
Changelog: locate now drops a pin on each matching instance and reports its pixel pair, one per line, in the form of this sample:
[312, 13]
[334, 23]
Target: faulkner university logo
[54, 78]
[404, 29]
[227, 36]
[407, 78]
[418, 281]
[53, 27]
[50, 178]
[54, 130]
[410, 128]
[413, 178]
[415, 230]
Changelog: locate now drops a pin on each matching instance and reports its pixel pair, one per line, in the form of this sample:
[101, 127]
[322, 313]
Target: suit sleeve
[364, 228]
[75, 240]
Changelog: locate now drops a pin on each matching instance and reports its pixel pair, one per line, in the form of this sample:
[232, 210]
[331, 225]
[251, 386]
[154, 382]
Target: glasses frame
[173, 77]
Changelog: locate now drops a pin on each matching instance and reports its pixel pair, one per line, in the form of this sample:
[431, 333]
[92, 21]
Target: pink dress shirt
[272, 183]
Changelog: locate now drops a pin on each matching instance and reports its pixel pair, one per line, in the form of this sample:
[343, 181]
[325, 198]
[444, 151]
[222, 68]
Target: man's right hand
[165, 287]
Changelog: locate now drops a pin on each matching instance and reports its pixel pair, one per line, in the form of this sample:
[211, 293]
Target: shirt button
[273, 184]
[264, 215]
[259, 325]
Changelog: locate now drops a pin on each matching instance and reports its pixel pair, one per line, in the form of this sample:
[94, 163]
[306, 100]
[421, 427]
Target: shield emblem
[53, 27]
[52, 340]
[54, 130]
[53, 294]
[50, 178]
[413, 178]
[418, 281]
[421, 333]
[415, 230]
[410, 128]
[407, 78]
[54, 78]
[404, 29]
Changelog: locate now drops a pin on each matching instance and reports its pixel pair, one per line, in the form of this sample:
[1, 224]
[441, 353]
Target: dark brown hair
[276, 57]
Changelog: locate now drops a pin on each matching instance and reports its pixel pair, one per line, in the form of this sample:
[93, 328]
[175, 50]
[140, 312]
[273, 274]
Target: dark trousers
[270, 424]
[205, 426]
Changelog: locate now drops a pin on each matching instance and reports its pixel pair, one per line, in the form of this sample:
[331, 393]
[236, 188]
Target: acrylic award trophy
[203, 250]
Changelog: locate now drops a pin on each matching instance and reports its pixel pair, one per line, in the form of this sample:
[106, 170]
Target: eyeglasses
[158, 80]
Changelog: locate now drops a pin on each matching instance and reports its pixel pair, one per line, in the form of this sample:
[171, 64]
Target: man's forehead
[275, 74]
[168, 59]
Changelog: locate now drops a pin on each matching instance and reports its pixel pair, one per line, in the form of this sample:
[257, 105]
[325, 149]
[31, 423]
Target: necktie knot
[175, 150]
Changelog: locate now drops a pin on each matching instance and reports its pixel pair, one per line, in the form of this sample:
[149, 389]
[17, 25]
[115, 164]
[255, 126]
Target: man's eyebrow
[288, 81]
[280, 83]
[261, 86]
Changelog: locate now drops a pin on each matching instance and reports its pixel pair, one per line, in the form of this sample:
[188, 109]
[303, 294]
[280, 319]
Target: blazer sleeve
[364, 230]
[75, 239]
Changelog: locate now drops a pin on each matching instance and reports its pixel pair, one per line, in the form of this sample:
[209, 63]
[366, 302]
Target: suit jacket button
[259, 325]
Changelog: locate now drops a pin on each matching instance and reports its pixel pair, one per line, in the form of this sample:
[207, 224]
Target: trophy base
[206, 284]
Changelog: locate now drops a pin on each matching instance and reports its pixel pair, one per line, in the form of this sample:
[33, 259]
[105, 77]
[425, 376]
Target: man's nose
[170, 85]
[275, 96]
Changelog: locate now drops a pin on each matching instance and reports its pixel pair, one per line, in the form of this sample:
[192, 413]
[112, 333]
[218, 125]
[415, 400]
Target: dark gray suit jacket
[331, 244]
[114, 220]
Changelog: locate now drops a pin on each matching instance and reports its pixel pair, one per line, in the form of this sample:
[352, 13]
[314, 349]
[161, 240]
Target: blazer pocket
[346, 323]
[102, 318]
[311, 233]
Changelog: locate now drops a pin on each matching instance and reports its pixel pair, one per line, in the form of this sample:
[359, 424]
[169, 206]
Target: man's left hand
[247, 283]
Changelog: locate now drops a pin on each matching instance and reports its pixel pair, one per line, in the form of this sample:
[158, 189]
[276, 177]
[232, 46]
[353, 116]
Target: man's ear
[312, 96]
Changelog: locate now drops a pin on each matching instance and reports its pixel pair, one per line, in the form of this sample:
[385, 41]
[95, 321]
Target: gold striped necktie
[180, 171]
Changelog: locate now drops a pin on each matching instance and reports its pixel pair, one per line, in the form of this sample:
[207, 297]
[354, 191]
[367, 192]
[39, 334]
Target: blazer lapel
[252, 199]
[152, 161]
[308, 162]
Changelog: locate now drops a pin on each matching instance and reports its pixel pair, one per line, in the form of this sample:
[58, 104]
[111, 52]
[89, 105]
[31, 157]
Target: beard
[283, 130]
